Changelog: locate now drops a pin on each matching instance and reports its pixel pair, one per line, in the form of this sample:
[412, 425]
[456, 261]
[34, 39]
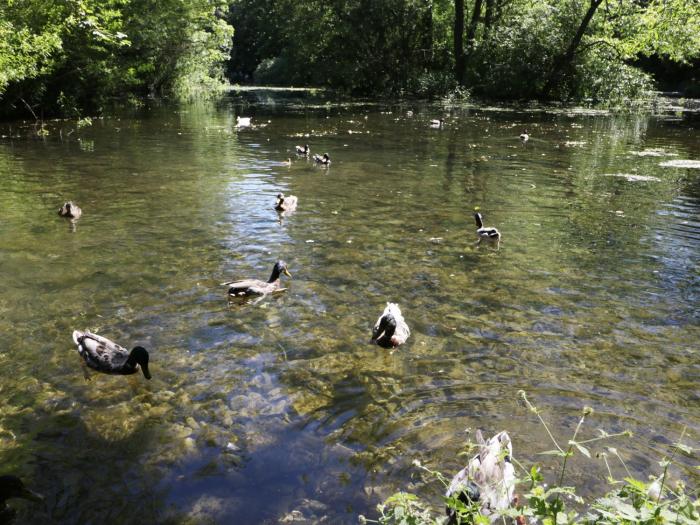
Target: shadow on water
[282, 409]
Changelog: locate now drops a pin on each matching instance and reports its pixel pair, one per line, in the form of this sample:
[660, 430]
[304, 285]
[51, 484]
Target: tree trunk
[471, 33]
[428, 33]
[459, 41]
[565, 60]
[488, 18]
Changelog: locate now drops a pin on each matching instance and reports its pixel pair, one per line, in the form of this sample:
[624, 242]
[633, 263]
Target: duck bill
[286, 272]
[146, 373]
[31, 496]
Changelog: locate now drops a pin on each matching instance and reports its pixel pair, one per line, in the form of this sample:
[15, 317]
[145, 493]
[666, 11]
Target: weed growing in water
[630, 501]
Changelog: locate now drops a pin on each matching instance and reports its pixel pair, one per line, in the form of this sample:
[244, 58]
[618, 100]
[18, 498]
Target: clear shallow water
[257, 411]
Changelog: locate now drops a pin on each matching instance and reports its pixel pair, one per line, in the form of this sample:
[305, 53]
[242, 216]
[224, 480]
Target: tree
[459, 42]
[567, 57]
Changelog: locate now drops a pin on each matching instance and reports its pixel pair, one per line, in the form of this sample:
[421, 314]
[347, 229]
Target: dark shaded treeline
[75, 58]
[502, 49]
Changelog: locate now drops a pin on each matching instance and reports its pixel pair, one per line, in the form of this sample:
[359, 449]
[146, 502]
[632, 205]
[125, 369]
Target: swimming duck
[524, 137]
[489, 234]
[488, 479]
[70, 210]
[288, 203]
[103, 355]
[257, 287]
[325, 160]
[390, 330]
[303, 150]
[437, 123]
[242, 122]
[13, 487]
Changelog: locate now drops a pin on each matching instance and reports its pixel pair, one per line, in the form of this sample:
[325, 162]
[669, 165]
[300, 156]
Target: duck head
[12, 487]
[139, 356]
[478, 219]
[280, 201]
[66, 209]
[385, 329]
[279, 269]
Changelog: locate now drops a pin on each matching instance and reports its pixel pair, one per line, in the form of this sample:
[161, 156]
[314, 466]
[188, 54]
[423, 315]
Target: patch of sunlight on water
[255, 411]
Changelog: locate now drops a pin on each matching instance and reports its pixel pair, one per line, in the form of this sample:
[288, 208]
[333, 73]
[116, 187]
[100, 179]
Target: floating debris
[693, 164]
[653, 152]
[631, 177]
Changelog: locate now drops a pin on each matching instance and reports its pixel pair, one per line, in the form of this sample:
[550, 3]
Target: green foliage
[75, 56]
[405, 47]
[629, 502]
[360, 46]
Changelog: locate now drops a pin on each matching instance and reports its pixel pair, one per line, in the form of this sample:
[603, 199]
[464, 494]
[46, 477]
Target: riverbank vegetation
[76, 56]
[629, 500]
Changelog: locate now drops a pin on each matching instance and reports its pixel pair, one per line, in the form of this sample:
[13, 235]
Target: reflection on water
[258, 411]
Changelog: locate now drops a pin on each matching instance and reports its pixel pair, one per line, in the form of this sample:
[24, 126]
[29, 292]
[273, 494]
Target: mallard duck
[70, 210]
[242, 122]
[488, 234]
[257, 287]
[13, 487]
[524, 137]
[437, 123]
[488, 479]
[288, 203]
[324, 160]
[103, 355]
[303, 150]
[391, 329]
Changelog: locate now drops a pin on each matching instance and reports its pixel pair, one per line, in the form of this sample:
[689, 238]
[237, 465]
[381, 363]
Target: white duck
[488, 479]
[242, 122]
[437, 123]
[391, 329]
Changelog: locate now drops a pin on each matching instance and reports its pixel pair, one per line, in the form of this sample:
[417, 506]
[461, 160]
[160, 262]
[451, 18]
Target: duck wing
[491, 233]
[249, 287]
[100, 353]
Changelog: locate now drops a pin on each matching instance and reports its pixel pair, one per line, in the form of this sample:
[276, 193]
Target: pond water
[280, 410]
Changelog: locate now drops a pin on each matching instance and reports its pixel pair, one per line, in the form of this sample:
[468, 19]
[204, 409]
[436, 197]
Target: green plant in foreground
[630, 502]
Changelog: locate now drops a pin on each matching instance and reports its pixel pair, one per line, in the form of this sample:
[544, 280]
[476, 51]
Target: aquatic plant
[629, 501]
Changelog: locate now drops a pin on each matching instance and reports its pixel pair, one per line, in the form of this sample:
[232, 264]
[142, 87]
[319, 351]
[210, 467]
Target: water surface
[257, 411]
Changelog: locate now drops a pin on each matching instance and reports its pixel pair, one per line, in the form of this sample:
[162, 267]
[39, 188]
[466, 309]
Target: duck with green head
[103, 355]
[249, 287]
[484, 233]
[391, 329]
[323, 160]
